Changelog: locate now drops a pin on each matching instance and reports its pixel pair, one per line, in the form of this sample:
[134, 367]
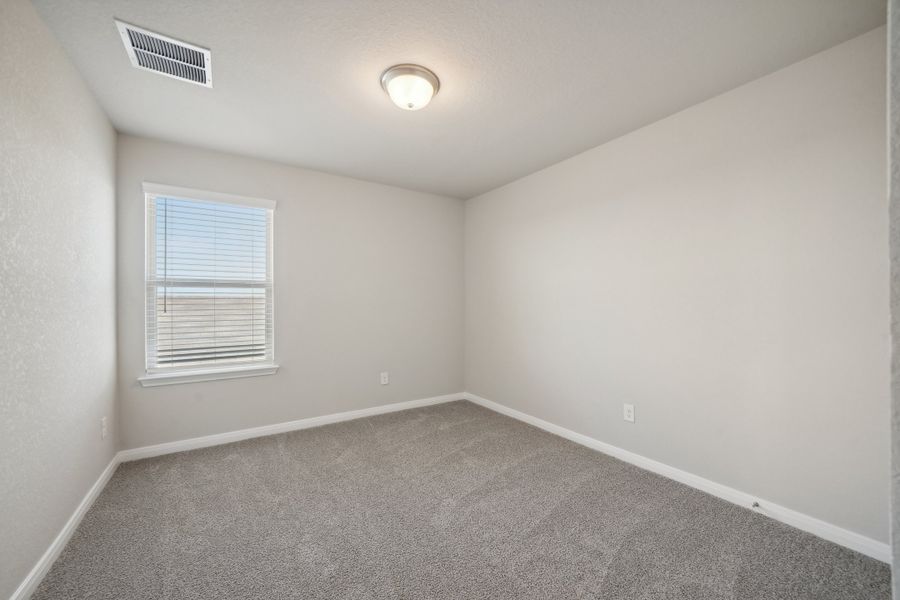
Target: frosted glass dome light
[410, 87]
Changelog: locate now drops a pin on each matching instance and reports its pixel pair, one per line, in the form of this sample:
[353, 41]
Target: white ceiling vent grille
[166, 56]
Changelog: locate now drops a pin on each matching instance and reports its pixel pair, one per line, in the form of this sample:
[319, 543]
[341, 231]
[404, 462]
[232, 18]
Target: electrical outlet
[385, 378]
[628, 412]
[103, 428]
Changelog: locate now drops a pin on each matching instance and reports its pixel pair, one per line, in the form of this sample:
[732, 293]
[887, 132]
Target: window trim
[184, 193]
[174, 376]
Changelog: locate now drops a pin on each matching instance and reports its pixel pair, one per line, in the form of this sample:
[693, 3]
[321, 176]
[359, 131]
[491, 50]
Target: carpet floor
[451, 501]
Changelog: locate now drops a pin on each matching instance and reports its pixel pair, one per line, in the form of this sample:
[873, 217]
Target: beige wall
[894, 132]
[726, 271]
[57, 290]
[368, 278]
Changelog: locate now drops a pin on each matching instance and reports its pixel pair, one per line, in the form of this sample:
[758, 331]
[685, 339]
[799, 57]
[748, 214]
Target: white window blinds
[209, 283]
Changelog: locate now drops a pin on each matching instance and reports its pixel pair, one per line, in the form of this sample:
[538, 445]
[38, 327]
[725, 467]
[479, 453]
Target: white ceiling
[524, 83]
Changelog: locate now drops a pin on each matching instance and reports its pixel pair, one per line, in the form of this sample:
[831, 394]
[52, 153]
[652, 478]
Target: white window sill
[174, 377]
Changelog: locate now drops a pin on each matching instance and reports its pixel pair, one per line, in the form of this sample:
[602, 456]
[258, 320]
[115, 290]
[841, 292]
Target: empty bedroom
[500, 299]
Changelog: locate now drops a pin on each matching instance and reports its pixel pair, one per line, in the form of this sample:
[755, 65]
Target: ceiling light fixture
[410, 86]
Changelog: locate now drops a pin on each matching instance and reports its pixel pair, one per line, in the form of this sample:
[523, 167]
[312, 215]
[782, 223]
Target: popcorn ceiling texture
[57, 290]
[524, 84]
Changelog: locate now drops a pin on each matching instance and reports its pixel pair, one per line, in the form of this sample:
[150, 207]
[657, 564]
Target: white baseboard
[849, 539]
[854, 541]
[34, 578]
[245, 434]
[36, 575]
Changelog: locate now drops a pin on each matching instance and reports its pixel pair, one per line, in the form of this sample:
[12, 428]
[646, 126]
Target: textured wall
[368, 278]
[725, 270]
[894, 131]
[57, 290]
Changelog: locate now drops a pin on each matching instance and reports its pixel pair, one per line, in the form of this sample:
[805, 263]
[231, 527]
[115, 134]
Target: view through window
[209, 284]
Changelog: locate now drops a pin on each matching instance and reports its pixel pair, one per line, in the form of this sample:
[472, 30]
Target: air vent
[166, 56]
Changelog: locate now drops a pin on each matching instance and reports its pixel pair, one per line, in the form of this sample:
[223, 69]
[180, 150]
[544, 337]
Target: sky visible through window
[198, 242]
[210, 286]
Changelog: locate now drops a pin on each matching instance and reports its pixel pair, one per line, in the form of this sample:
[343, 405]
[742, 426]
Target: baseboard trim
[254, 432]
[37, 573]
[849, 539]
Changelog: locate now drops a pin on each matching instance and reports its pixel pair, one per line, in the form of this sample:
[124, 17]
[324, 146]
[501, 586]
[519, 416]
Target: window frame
[173, 375]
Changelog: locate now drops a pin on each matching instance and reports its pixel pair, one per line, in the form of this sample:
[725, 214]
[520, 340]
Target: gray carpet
[451, 501]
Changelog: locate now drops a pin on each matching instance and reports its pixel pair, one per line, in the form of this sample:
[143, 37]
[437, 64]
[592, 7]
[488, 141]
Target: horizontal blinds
[209, 284]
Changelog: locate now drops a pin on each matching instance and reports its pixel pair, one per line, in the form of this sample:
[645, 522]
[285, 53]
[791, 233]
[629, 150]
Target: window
[209, 305]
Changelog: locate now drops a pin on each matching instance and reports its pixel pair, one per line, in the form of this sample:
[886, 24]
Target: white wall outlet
[385, 378]
[103, 428]
[628, 412]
